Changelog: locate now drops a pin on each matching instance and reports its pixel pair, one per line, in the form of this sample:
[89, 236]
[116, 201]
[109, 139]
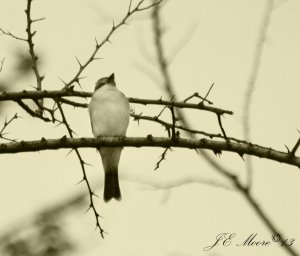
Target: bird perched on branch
[109, 113]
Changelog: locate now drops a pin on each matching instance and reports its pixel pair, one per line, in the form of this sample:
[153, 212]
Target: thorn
[97, 44]
[87, 164]
[62, 81]
[83, 179]
[78, 62]
[63, 138]
[71, 150]
[89, 208]
[40, 19]
[288, 150]
[80, 78]
[149, 137]
[93, 194]
[217, 152]
[242, 156]
[97, 58]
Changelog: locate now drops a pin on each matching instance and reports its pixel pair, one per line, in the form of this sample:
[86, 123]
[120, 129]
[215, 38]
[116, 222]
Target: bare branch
[168, 126]
[7, 33]
[31, 112]
[1, 64]
[6, 96]
[113, 29]
[33, 55]
[155, 3]
[214, 145]
[253, 77]
[162, 158]
[196, 95]
[5, 125]
[85, 178]
[221, 127]
[208, 92]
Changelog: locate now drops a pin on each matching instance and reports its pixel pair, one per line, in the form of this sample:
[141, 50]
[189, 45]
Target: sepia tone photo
[149, 127]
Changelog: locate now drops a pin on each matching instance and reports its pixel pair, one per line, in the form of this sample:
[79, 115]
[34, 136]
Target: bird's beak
[111, 79]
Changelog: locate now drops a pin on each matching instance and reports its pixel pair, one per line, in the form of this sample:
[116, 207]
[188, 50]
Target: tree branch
[29, 40]
[149, 141]
[114, 28]
[256, 62]
[85, 178]
[15, 96]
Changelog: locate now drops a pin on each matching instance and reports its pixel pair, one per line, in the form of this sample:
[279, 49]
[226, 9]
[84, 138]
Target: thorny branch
[168, 126]
[5, 125]
[33, 55]
[31, 112]
[14, 96]
[82, 164]
[113, 29]
[29, 40]
[150, 141]
[162, 158]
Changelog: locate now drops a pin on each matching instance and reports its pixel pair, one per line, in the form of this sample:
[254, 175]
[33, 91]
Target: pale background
[209, 42]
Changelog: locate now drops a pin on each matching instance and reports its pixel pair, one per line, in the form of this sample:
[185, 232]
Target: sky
[205, 42]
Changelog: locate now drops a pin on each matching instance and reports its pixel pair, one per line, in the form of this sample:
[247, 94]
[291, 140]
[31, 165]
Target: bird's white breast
[109, 112]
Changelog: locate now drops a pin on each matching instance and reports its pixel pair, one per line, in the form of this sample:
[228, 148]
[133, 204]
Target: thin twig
[7, 33]
[171, 107]
[221, 127]
[208, 92]
[161, 158]
[5, 125]
[1, 64]
[168, 126]
[256, 62]
[196, 95]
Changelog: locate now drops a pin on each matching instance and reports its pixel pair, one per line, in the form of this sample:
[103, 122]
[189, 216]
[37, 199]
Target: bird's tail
[111, 186]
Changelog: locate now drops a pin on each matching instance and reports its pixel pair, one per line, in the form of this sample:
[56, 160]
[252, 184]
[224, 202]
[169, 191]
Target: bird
[109, 115]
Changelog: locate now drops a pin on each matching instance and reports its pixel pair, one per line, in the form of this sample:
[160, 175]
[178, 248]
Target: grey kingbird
[109, 113]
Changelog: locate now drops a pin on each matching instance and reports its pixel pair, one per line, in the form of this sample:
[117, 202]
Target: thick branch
[215, 146]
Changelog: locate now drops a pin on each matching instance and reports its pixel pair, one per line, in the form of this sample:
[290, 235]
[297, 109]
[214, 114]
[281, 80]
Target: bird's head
[110, 80]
